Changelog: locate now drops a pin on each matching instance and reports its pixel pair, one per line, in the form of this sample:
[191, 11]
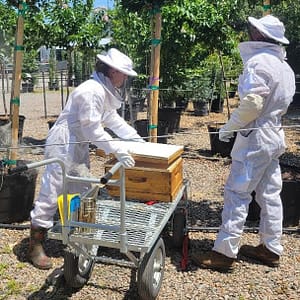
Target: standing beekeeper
[266, 89]
[90, 107]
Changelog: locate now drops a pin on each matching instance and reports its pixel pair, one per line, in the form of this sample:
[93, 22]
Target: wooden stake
[267, 7]
[15, 100]
[155, 79]
[3, 88]
[224, 82]
[151, 75]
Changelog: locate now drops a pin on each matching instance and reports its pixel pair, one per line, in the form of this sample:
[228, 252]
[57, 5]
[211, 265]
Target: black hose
[14, 226]
[245, 229]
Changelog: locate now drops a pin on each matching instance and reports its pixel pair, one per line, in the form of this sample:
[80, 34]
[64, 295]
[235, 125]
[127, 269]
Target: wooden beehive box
[157, 175]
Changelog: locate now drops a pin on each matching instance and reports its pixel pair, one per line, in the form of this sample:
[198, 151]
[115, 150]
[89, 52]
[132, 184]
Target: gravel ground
[20, 280]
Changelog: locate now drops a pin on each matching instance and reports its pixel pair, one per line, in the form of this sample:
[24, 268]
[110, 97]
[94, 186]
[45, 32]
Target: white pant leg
[45, 204]
[234, 215]
[266, 181]
[271, 216]
[242, 180]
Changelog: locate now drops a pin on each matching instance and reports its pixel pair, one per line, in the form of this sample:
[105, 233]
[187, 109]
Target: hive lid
[164, 152]
[154, 153]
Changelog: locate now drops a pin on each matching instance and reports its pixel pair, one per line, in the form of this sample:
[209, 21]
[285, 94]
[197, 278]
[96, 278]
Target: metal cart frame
[133, 227]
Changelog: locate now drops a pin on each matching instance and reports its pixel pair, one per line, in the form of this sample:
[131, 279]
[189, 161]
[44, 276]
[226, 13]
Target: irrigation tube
[190, 228]
[14, 226]
[245, 229]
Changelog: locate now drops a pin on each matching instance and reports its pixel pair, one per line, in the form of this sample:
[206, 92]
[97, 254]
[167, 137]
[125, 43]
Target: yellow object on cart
[73, 205]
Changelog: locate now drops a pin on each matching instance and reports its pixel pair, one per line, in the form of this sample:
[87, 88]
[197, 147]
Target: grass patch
[12, 288]
[6, 249]
[3, 268]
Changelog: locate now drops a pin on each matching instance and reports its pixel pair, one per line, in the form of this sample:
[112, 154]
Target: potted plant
[200, 84]
[29, 69]
[27, 83]
[214, 65]
[168, 110]
[217, 102]
[233, 87]
[289, 196]
[53, 79]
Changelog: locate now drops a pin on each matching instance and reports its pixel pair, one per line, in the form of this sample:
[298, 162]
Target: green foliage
[7, 32]
[30, 64]
[139, 5]
[66, 26]
[192, 31]
[207, 79]
[288, 12]
[16, 3]
[131, 35]
[200, 85]
[52, 67]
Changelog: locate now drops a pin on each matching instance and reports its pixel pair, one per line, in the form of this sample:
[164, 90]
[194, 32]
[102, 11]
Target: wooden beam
[15, 98]
[154, 81]
[267, 7]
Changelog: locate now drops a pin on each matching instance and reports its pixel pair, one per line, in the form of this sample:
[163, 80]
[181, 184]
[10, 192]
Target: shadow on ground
[27, 140]
[53, 248]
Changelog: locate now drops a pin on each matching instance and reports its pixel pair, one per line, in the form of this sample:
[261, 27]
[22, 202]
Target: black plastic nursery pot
[217, 105]
[142, 128]
[4, 119]
[200, 108]
[17, 195]
[182, 103]
[289, 196]
[231, 94]
[27, 87]
[136, 107]
[51, 123]
[219, 147]
[172, 115]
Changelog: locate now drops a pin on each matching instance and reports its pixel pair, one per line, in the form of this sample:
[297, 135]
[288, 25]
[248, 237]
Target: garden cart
[94, 219]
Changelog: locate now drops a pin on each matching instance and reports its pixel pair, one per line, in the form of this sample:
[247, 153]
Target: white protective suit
[255, 163]
[90, 107]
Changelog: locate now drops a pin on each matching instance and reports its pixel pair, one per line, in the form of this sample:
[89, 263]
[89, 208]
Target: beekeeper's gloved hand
[125, 158]
[225, 135]
[248, 110]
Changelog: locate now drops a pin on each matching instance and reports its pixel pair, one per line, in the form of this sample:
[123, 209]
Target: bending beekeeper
[266, 89]
[90, 107]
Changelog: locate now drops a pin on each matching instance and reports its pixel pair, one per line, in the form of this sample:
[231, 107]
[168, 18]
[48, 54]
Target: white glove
[125, 159]
[248, 110]
[225, 135]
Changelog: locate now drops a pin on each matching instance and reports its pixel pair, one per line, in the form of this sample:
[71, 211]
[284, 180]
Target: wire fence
[42, 145]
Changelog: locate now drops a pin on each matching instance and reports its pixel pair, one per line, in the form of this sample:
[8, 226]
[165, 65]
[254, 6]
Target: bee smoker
[87, 211]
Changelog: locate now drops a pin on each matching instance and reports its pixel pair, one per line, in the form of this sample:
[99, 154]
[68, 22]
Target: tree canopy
[192, 30]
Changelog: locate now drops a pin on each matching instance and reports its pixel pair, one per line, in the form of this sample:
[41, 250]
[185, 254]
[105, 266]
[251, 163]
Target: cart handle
[32, 165]
[108, 175]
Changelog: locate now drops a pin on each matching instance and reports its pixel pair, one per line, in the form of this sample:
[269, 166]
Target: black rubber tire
[75, 276]
[151, 271]
[179, 229]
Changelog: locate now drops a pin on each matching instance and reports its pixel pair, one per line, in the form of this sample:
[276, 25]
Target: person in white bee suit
[91, 107]
[266, 88]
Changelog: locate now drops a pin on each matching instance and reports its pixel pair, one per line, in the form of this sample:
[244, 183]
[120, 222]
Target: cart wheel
[77, 269]
[179, 229]
[151, 271]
